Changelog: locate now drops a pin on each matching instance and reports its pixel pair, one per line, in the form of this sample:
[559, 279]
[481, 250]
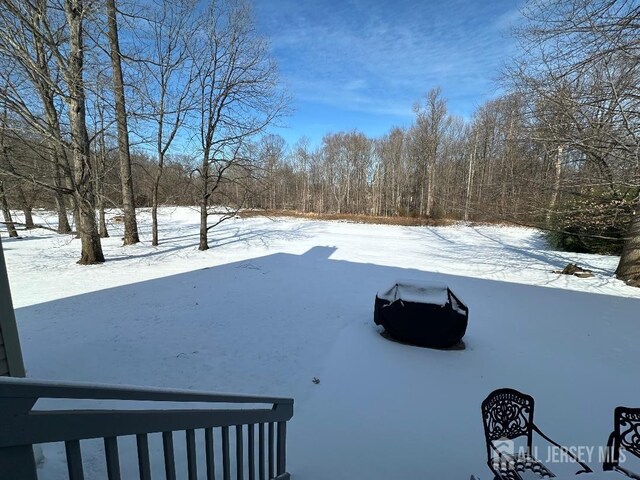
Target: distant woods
[141, 104]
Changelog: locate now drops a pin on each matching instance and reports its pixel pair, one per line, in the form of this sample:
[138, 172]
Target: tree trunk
[26, 209]
[154, 217]
[63, 219]
[204, 243]
[6, 212]
[23, 204]
[83, 194]
[53, 123]
[467, 200]
[126, 179]
[102, 222]
[101, 156]
[91, 246]
[61, 207]
[76, 216]
[154, 203]
[60, 180]
[629, 266]
[100, 168]
[556, 185]
[430, 187]
[204, 201]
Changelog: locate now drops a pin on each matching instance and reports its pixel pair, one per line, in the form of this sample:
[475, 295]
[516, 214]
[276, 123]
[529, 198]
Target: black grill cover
[420, 313]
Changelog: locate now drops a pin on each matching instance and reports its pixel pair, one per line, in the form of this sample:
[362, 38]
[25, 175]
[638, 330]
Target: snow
[417, 292]
[275, 303]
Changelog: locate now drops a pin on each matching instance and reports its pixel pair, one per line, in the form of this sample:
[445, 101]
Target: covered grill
[422, 313]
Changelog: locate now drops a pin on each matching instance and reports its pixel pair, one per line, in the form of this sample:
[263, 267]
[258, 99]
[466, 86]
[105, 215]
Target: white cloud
[359, 56]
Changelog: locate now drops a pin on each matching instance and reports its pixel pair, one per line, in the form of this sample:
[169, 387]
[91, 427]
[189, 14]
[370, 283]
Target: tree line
[150, 103]
[80, 81]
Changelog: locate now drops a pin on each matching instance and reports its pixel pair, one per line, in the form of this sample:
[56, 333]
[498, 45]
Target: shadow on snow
[270, 324]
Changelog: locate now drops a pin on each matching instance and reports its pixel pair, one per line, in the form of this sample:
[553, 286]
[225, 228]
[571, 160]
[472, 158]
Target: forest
[123, 104]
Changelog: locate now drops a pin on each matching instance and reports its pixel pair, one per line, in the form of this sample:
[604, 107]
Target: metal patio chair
[508, 415]
[625, 436]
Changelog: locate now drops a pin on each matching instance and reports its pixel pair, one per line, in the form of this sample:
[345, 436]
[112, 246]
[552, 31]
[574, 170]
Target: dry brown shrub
[347, 217]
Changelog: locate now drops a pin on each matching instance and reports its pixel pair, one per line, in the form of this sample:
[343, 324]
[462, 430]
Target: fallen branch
[573, 269]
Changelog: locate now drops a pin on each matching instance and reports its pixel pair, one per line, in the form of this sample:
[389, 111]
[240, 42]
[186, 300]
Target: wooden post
[17, 461]
[9, 341]
[282, 448]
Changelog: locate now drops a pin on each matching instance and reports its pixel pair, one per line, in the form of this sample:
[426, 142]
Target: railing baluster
[144, 465]
[208, 440]
[113, 462]
[169, 461]
[74, 460]
[261, 459]
[71, 427]
[192, 467]
[251, 451]
[282, 448]
[226, 472]
[239, 453]
[272, 470]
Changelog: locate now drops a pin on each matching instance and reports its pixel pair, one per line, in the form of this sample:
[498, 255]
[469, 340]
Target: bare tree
[33, 76]
[302, 160]
[6, 213]
[583, 57]
[432, 121]
[7, 165]
[238, 98]
[169, 84]
[100, 161]
[43, 79]
[394, 174]
[72, 65]
[126, 179]
[60, 29]
[271, 154]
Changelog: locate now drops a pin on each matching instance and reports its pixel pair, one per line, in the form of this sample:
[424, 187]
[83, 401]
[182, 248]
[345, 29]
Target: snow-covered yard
[275, 303]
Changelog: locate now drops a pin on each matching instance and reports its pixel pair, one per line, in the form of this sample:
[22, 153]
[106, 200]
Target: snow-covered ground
[275, 303]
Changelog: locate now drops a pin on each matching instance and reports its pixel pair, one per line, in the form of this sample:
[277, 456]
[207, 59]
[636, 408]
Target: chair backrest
[626, 432]
[507, 414]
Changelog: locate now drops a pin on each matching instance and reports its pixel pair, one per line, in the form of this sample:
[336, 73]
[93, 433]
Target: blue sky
[358, 64]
